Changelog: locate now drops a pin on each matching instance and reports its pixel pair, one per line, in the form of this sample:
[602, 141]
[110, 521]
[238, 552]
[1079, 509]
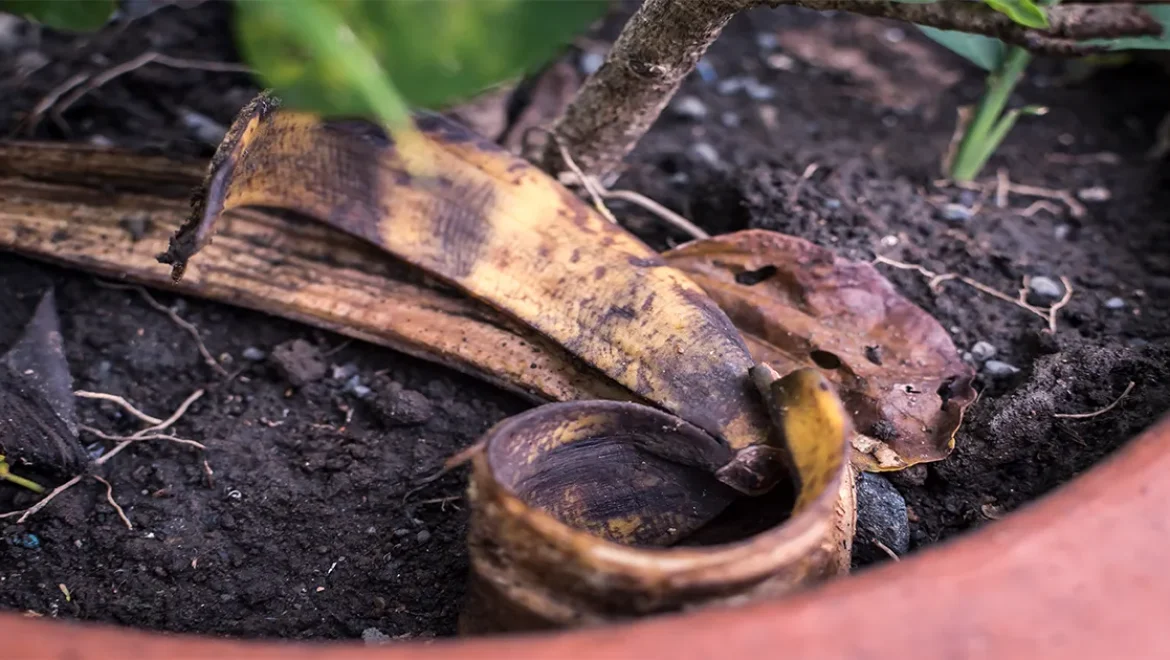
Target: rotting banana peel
[505, 233]
[571, 512]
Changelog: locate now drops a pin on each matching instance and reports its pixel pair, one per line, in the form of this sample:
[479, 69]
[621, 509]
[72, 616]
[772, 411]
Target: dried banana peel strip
[509, 236]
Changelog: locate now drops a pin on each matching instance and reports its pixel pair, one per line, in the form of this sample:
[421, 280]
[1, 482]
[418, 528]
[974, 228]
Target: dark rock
[881, 518]
[299, 362]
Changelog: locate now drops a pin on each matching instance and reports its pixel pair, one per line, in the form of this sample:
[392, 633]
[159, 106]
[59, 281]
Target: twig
[113, 503]
[936, 280]
[670, 217]
[885, 548]
[84, 83]
[178, 320]
[121, 402]
[1099, 412]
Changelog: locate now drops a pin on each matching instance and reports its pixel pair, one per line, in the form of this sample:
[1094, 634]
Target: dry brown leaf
[799, 305]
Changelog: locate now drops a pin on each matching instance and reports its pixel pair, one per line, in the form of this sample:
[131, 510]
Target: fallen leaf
[800, 305]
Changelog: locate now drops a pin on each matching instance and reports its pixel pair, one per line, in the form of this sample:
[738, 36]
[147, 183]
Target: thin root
[149, 433]
[1098, 412]
[121, 402]
[84, 83]
[885, 548]
[590, 185]
[936, 280]
[670, 217]
[178, 320]
[114, 503]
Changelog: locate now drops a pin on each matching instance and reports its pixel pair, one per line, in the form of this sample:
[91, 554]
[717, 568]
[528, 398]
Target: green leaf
[1160, 13]
[985, 52]
[73, 15]
[437, 52]
[1024, 12]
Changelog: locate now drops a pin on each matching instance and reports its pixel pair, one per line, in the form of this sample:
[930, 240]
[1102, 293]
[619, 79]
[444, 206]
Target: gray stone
[254, 354]
[1045, 287]
[982, 351]
[689, 107]
[374, 636]
[1115, 303]
[758, 91]
[957, 213]
[999, 369]
[766, 41]
[591, 62]
[729, 119]
[704, 152]
[881, 518]
[423, 536]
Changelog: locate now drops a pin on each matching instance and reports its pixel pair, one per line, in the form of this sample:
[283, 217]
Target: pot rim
[1034, 585]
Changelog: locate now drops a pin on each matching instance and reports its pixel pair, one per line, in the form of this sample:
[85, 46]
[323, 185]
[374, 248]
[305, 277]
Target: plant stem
[982, 137]
[19, 481]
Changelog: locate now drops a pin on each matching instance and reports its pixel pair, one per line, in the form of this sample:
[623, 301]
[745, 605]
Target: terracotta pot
[1079, 574]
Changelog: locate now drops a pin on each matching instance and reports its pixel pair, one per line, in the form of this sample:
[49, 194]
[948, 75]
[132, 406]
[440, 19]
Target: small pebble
[1061, 232]
[300, 362]
[766, 41]
[423, 536]
[706, 153]
[882, 517]
[354, 386]
[591, 62]
[780, 62]
[1115, 303]
[982, 351]
[689, 107]
[1094, 194]
[374, 636]
[956, 213]
[706, 71]
[729, 86]
[895, 35]
[999, 369]
[203, 128]
[832, 204]
[254, 354]
[1045, 287]
[26, 541]
[758, 91]
[344, 371]
[729, 119]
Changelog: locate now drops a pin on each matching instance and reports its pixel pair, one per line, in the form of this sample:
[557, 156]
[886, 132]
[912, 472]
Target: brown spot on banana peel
[481, 223]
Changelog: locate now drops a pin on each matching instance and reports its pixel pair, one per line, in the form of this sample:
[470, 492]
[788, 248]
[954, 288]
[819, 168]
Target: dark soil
[305, 521]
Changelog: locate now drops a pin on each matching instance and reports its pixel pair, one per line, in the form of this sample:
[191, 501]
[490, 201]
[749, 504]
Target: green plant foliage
[340, 56]
[1024, 12]
[984, 52]
[73, 15]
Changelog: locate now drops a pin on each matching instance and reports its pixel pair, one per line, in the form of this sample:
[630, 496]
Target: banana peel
[502, 232]
[574, 513]
[111, 212]
[799, 305]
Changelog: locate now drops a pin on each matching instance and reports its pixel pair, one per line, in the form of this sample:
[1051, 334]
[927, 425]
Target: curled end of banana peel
[207, 201]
